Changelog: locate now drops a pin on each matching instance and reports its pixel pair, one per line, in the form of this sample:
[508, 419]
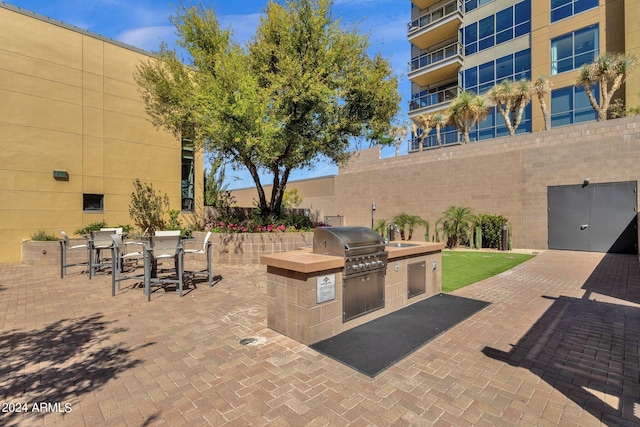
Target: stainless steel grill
[365, 266]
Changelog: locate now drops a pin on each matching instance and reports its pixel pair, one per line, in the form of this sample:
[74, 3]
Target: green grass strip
[462, 268]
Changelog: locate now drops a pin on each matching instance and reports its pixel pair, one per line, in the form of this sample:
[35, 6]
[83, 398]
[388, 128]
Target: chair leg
[180, 271]
[63, 258]
[114, 272]
[209, 273]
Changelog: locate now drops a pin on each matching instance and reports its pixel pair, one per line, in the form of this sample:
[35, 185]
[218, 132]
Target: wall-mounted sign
[325, 288]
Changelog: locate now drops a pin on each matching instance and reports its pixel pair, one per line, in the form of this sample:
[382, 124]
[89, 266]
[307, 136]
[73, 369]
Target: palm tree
[610, 71]
[381, 227]
[465, 111]
[541, 88]
[455, 224]
[398, 133]
[414, 221]
[438, 121]
[425, 123]
[510, 99]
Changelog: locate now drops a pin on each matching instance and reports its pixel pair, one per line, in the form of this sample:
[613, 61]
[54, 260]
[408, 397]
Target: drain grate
[247, 341]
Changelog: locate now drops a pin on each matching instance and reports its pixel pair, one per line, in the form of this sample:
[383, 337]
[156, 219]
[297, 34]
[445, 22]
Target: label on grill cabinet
[325, 288]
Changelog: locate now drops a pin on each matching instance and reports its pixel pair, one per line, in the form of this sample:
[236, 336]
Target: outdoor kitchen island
[314, 296]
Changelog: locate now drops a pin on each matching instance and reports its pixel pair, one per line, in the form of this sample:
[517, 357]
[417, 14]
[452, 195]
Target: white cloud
[243, 26]
[148, 38]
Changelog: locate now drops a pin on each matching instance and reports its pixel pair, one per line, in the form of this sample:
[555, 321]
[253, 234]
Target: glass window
[471, 78]
[504, 19]
[522, 64]
[486, 77]
[571, 105]
[471, 39]
[572, 50]
[582, 5]
[504, 67]
[499, 28]
[512, 67]
[188, 182]
[93, 202]
[522, 12]
[486, 33]
[469, 5]
[561, 9]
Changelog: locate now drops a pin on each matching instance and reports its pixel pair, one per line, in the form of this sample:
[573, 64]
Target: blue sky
[145, 23]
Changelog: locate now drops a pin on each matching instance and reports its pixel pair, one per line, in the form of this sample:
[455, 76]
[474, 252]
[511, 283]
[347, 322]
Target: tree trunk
[545, 112]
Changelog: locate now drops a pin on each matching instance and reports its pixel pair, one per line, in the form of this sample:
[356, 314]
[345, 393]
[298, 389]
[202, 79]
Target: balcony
[436, 65]
[430, 102]
[423, 4]
[449, 135]
[439, 24]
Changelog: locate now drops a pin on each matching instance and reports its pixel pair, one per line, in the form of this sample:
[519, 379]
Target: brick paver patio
[557, 346]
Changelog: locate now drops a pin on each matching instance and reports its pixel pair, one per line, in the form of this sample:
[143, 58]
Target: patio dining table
[160, 248]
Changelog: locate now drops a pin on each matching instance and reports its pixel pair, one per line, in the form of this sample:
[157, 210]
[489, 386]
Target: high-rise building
[472, 45]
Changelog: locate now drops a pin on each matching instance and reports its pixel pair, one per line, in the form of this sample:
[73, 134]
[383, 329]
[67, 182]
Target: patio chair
[167, 232]
[206, 250]
[65, 245]
[119, 256]
[100, 240]
[163, 248]
[117, 230]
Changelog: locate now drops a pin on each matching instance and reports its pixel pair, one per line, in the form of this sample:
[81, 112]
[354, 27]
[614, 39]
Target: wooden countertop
[304, 261]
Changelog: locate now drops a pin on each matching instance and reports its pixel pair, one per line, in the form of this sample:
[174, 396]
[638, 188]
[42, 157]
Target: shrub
[43, 236]
[456, 222]
[96, 226]
[147, 207]
[91, 227]
[491, 229]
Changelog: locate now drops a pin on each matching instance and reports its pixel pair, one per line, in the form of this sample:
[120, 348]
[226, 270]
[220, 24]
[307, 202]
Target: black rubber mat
[373, 347]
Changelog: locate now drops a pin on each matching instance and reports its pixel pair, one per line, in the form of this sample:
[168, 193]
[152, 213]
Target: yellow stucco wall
[632, 46]
[69, 103]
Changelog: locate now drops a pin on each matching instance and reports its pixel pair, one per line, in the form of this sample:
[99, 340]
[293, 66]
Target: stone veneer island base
[295, 284]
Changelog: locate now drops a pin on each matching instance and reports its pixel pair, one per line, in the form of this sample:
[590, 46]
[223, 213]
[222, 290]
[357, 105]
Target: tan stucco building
[473, 45]
[74, 134]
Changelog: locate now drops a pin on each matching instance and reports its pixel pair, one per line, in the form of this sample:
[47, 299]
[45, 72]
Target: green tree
[455, 224]
[465, 111]
[215, 182]
[610, 71]
[303, 89]
[511, 98]
[541, 87]
[291, 199]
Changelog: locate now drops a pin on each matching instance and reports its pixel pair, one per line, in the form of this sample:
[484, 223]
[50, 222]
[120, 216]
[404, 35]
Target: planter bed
[228, 248]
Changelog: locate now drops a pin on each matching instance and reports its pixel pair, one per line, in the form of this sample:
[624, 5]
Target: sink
[401, 245]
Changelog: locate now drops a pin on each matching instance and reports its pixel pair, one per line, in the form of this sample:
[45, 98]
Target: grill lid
[340, 241]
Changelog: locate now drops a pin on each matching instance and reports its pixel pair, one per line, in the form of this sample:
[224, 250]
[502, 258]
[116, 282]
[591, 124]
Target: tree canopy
[302, 90]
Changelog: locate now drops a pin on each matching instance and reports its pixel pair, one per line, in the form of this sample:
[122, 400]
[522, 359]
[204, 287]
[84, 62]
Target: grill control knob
[367, 264]
[361, 265]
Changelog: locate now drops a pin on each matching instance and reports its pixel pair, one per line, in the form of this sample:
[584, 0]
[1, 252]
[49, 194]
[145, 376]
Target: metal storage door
[593, 217]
